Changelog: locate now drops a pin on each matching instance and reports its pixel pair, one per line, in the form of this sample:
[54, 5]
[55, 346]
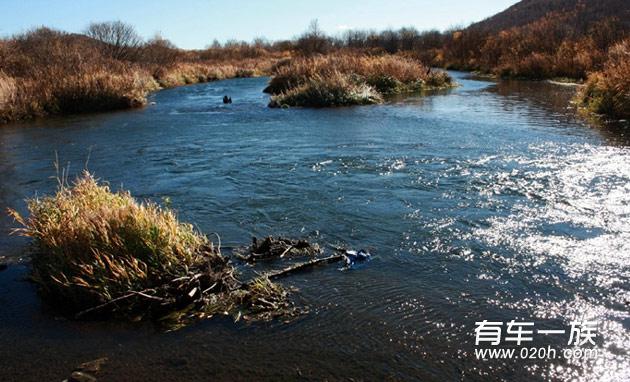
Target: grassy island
[341, 80]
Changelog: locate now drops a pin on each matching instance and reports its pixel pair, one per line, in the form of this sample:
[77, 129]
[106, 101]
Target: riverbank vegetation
[44, 71]
[533, 39]
[349, 79]
[608, 92]
[102, 253]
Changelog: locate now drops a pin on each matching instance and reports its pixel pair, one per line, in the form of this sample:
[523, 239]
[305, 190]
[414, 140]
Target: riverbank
[46, 72]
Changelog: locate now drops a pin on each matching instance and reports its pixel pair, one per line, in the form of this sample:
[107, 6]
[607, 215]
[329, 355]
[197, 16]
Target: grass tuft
[93, 245]
[103, 252]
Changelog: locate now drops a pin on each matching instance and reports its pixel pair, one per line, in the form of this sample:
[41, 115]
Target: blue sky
[196, 23]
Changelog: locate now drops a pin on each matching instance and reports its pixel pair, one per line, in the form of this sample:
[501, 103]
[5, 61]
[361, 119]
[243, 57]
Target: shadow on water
[487, 201]
[558, 101]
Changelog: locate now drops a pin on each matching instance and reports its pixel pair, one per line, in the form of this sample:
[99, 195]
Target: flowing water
[491, 201]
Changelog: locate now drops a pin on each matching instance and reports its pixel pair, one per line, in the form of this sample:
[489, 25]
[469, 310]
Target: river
[491, 201]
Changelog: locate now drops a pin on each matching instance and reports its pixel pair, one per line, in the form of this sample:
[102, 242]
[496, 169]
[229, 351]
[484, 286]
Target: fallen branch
[302, 266]
[286, 250]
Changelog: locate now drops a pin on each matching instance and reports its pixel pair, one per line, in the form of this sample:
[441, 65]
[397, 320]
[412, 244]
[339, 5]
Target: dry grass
[608, 92]
[49, 72]
[337, 80]
[103, 252]
[335, 89]
[86, 90]
[8, 91]
[92, 244]
[184, 73]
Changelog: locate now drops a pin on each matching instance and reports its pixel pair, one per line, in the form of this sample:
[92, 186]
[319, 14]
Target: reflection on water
[489, 201]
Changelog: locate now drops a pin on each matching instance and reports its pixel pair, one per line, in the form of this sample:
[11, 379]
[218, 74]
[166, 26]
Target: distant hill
[540, 39]
[528, 11]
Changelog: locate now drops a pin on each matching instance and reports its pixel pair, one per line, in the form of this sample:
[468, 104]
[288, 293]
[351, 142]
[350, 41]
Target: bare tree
[120, 40]
[314, 40]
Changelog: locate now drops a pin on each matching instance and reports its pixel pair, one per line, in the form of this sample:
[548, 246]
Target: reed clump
[98, 252]
[349, 79]
[607, 91]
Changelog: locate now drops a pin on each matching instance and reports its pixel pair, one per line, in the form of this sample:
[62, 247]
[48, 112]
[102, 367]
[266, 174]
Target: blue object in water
[353, 257]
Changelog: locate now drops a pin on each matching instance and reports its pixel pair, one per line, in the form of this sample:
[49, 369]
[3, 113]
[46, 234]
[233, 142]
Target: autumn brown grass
[185, 73]
[93, 244]
[334, 89]
[336, 80]
[44, 72]
[608, 92]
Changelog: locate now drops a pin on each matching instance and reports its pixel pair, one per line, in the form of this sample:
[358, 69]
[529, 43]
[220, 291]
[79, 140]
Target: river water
[491, 201]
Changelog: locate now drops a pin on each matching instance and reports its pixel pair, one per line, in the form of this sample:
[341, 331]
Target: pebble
[85, 372]
[79, 376]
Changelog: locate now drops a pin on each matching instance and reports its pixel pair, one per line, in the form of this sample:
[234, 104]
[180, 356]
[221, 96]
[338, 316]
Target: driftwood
[200, 284]
[302, 266]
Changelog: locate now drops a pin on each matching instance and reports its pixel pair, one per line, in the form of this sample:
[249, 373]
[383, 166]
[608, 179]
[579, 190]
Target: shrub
[608, 92]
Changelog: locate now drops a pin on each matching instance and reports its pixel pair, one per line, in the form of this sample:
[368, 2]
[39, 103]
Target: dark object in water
[272, 247]
[3, 267]
[353, 257]
[227, 99]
